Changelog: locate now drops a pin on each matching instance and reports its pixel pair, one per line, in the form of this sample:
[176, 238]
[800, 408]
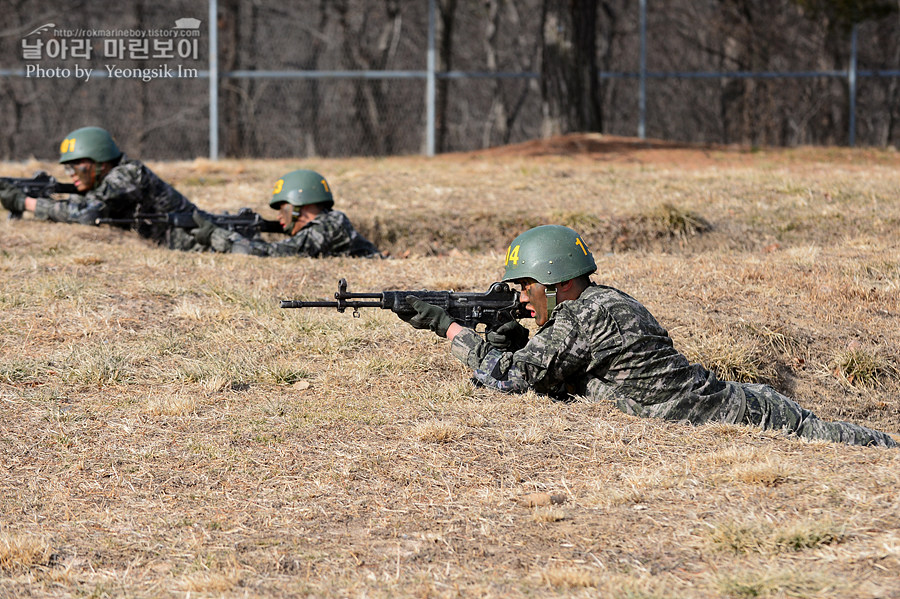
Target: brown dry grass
[168, 431]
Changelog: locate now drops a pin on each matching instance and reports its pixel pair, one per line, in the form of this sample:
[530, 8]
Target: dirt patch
[602, 147]
[614, 149]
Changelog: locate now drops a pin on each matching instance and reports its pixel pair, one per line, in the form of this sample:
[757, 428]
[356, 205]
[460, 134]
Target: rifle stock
[498, 305]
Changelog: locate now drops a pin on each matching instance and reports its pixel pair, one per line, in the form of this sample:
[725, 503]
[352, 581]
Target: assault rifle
[41, 185]
[498, 305]
[246, 221]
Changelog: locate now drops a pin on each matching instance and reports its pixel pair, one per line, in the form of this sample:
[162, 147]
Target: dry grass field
[169, 431]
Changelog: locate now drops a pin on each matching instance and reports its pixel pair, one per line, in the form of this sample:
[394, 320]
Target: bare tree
[497, 116]
[237, 23]
[447, 20]
[317, 47]
[27, 108]
[892, 130]
[569, 82]
[369, 100]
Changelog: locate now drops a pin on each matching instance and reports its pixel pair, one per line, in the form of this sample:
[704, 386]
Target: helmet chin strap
[550, 292]
[295, 215]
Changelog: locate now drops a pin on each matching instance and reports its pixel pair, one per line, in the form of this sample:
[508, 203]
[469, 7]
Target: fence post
[213, 80]
[642, 91]
[430, 84]
[851, 81]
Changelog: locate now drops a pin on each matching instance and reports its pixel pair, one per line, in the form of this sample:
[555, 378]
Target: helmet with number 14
[548, 254]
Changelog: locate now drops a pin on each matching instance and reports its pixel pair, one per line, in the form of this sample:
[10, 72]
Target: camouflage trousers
[771, 410]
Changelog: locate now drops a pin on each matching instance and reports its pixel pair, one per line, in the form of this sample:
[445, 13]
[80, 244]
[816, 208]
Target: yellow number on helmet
[580, 244]
[512, 255]
[325, 185]
[278, 186]
[67, 145]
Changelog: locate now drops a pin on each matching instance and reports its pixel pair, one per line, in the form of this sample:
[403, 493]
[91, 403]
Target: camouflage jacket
[328, 234]
[129, 188]
[606, 345]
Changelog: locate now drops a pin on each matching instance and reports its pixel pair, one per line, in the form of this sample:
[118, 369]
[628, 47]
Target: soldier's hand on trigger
[509, 336]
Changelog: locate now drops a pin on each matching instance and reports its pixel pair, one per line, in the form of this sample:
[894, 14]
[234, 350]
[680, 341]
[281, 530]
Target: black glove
[427, 316]
[509, 336]
[12, 198]
[204, 228]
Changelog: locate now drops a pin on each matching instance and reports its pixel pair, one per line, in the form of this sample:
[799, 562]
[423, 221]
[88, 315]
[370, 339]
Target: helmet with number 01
[548, 254]
[300, 188]
[89, 142]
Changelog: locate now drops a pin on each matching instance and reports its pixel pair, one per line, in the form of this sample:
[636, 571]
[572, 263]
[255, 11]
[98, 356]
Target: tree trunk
[445, 63]
[569, 82]
[370, 102]
[312, 138]
[892, 134]
[497, 120]
[229, 42]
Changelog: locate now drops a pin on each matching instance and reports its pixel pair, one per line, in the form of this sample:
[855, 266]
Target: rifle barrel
[340, 305]
[305, 304]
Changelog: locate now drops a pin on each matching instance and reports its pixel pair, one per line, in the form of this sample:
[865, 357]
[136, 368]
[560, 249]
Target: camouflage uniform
[330, 233]
[129, 188]
[606, 346]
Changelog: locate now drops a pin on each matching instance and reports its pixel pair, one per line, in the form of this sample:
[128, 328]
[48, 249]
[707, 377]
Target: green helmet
[548, 254]
[300, 188]
[89, 142]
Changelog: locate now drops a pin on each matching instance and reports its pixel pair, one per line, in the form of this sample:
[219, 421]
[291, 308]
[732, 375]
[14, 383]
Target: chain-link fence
[312, 78]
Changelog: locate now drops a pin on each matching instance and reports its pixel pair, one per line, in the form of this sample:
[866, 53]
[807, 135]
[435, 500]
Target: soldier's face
[293, 218]
[534, 296]
[83, 173]
[286, 217]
